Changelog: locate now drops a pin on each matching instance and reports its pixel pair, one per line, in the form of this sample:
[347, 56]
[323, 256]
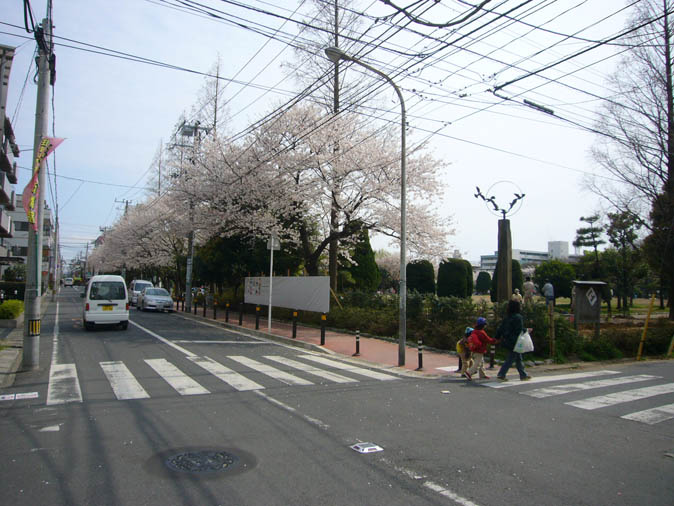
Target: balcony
[6, 189]
[11, 206]
[5, 224]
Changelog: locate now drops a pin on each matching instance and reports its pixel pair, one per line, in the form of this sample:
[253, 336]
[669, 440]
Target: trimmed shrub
[452, 278]
[11, 309]
[420, 276]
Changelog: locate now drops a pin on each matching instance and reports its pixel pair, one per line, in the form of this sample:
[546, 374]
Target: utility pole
[334, 217]
[57, 274]
[32, 296]
[86, 260]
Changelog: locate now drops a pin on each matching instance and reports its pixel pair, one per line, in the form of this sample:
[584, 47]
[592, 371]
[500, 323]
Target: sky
[114, 113]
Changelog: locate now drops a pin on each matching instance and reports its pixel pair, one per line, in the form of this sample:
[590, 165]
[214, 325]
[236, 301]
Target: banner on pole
[308, 293]
[31, 193]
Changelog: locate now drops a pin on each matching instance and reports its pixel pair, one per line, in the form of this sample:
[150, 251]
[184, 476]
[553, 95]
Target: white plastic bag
[524, 343]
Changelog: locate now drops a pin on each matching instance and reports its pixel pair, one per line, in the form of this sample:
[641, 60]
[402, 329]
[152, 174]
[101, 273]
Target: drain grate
[202, 461]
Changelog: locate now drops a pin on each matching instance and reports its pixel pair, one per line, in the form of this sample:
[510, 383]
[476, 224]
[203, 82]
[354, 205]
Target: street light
[335, 54]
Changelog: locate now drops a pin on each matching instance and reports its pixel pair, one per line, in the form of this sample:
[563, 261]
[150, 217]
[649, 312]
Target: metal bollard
[215, 316]
[324, 317]
[294, 324]
[183, 302]
[240, 314]
[257, 317]
[492, 354]
[420, 343]
[204, 308]
[227, 312]
[357, 354]
[195, 308]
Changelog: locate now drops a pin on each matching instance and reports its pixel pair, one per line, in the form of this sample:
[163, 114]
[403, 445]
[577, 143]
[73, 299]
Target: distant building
[528, 259]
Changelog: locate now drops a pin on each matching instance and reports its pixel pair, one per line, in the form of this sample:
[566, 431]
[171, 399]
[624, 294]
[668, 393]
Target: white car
[157, 299]
[68, 282]
[106, 302]
[137, 286]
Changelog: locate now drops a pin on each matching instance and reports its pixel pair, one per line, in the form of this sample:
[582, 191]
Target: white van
[106, 302]
[137, 286]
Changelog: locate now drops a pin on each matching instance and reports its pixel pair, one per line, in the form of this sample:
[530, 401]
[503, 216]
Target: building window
[21, 226]
[19, 251]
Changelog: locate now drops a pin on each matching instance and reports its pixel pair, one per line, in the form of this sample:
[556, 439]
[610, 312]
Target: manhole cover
[202, 461]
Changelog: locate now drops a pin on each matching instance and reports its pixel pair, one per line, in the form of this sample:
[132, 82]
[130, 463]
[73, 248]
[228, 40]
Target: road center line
[187, 353]
[311, 420]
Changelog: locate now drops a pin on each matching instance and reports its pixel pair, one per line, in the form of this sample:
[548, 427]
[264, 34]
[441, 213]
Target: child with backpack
[477, 343]
[463, 352]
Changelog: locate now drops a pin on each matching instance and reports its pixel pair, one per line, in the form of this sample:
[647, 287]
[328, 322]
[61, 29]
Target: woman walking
[507, 334]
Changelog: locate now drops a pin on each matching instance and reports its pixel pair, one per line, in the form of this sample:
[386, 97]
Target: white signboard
[307, 293]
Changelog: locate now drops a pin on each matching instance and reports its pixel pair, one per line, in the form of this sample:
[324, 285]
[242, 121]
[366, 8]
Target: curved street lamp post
[335, 54]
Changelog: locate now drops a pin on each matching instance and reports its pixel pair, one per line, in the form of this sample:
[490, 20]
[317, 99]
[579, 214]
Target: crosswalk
[302, 370]
[594, 381]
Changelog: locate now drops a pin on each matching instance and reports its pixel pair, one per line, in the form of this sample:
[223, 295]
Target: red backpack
[473, 342]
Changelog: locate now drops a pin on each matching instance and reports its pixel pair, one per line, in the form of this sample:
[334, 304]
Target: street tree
[558, 273]
[636, 146]
[590, 237]
[622, 234]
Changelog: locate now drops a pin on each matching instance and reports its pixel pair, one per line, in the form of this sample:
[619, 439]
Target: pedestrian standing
[478, 342]
[507, 334]
[517, 296]
[463, 352]
[549, 293]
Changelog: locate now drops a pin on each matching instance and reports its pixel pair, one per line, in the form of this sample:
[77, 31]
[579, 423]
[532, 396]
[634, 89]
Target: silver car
[157, 299]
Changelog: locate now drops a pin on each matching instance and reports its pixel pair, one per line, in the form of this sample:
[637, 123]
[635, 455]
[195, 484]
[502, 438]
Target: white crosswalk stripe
[603, 401]
[349, 367]
[548, 379]
[653, 415]
[273, 372]
[337, 378]
[181, 383]
[232, 378]
[64, 386]
[123, 383]
[588, 385]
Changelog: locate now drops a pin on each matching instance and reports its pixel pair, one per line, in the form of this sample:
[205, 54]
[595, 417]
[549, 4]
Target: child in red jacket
[478, 342]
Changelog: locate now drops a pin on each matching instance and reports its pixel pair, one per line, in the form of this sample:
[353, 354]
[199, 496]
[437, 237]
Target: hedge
[11, 309]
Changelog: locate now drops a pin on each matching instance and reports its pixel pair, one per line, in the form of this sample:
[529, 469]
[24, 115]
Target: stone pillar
[504, 283]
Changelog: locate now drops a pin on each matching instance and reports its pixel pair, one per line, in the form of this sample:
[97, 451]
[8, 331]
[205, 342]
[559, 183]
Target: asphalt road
[128, 417]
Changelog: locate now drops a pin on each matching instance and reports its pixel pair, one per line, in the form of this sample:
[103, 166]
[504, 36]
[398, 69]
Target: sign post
[272, 244]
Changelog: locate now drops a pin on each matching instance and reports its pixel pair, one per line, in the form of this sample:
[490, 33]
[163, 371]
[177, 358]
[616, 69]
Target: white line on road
[182, 350]
[187, 341]
[273, 372]
[122, 381]
[653, 415]
[337, 378]
[182, 383]
[547, 379]
[225, 374]
[349, 367]
[603, 401]
[311, 420]
[575, 387]
[64, 386]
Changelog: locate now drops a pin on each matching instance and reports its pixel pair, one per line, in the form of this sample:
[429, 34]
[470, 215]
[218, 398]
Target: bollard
[227, 312]
[257, 317]
[420, 344]
[215, 316]
[323, 318]
[492, 354]
[357, 354]
[183, 302]
[294, 324]
[195, 308]
[240, 314]
[204, 308]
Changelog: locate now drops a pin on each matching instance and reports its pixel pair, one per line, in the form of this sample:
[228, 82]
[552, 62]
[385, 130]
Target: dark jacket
[509, 330]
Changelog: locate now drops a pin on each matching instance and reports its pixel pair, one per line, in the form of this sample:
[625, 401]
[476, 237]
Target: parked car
[137, 286]
[106, 302]
[68, 282]
[157, 299]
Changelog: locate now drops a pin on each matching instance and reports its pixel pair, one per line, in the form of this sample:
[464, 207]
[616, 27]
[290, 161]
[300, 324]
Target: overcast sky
[115, 112]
